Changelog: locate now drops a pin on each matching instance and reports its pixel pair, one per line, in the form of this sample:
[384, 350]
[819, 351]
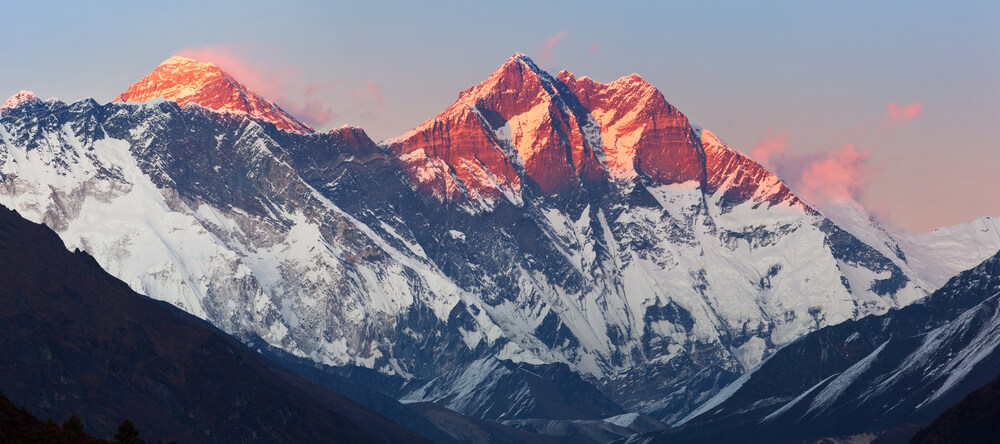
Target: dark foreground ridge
[78, 340]
[974, 420]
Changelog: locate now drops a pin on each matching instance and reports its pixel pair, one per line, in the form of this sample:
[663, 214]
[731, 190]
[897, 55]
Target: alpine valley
[549, 253]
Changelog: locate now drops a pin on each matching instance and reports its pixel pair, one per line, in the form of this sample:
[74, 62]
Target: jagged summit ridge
[184, 80]
[20, 99]
[563, 131]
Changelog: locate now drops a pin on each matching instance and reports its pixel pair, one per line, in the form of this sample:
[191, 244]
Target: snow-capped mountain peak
[184, 80]
[19, 99]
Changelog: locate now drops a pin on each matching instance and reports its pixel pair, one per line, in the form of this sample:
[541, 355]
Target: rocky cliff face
[538, 220]
[640, 132]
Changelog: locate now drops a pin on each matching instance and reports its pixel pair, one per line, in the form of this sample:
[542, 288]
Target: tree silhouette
[127, 432]
[73, 423]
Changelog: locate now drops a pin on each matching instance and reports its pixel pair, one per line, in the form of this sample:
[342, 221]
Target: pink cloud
[370, 90]
[277, 81]
[593, 48]
[766, 150]
[820, 177]
[838, 174]
[899, 114]
[237, 62]
[317, 87]
[545, 55]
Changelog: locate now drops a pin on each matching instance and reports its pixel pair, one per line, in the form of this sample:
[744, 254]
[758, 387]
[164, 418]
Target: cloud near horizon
[821, 177]
[545, 55]
[771, 146]
[369, 90]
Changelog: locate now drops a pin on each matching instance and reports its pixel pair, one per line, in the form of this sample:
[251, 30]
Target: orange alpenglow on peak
[184, 80]
[562, 131]
[559, 132]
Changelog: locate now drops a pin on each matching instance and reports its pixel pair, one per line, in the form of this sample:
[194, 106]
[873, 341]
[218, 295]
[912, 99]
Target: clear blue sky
[822, 74]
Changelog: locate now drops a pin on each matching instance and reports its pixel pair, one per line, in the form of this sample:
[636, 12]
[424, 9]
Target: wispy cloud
[317, 103]
[369, 90]
[904, 113]
[772, 145]
[545, 55]
[837, 174]
[276, 80]
[236, 61]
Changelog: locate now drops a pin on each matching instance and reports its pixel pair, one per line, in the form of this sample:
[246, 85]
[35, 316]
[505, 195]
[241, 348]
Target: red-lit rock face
[566, 131]
[739, 178]
[640, 131]
[563, 132]
[514, 118]
[184, 81]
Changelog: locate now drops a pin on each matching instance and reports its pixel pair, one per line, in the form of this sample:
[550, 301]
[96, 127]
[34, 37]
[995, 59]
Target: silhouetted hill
[974, 420]
[78, 340]
[17, 425]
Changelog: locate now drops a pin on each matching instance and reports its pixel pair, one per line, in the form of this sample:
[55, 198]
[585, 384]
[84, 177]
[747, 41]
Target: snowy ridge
[249, 272]
[20, 99]
[866, 376]
[943, 252]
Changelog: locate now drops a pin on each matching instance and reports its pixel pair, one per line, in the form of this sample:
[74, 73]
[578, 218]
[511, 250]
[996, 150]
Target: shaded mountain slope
[18, 426]
[974, 420]
[866, 376]
[78, 340]
[474, 430]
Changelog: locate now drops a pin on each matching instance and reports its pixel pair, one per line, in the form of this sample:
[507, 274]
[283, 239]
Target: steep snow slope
[500, 390]
[866, 376]
[940, 254]
[199, 209]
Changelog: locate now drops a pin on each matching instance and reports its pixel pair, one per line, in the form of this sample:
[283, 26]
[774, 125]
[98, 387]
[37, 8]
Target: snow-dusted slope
[199, 209]
[866, 376]
[940, 254]
[930, 258]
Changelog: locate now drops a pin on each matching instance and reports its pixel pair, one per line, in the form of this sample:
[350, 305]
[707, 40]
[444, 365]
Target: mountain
[183, 80]
[540, 220]
[944, 252]
[502, 390]
[364, 386]
[974, 420]
[867, 376]
[17, 425]
[79, 340]
[474, 430]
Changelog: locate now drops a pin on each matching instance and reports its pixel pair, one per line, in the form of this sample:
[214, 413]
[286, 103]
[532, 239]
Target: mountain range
[540, 225]
[866, 376]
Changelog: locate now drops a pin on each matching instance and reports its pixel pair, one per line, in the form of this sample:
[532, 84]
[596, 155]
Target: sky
[895, 104]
